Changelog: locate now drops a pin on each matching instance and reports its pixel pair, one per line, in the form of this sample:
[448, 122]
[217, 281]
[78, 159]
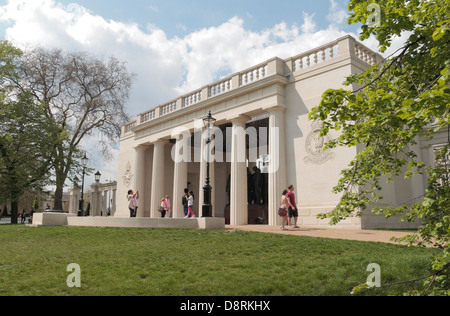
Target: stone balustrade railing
[192, 98]
[128, 128]
[314, 57]
[365, 54]
[254, 74]
[345, 46]
[220, 87]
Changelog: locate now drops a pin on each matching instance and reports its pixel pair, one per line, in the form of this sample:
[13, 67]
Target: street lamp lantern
[209, 123]
[98, 175]
[84, 160]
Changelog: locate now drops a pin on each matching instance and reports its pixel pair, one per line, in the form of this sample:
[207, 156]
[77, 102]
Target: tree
[82, 94]
[35, 203]
[387, 109]
[26, 136]
[27, 141]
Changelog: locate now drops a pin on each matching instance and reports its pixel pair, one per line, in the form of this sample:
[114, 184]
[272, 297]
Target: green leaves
[444, 27]
[27, 135]
[401, 102]
[26, 146]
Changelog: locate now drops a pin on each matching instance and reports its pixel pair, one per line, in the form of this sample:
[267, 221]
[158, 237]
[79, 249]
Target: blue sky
[175, 46]
[181, 17]
[179, 36]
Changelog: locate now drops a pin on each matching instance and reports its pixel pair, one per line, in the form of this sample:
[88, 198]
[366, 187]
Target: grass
[165, 262]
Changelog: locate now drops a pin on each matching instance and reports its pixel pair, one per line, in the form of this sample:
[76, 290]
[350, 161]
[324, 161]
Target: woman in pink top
[168, 206]
[133, 202]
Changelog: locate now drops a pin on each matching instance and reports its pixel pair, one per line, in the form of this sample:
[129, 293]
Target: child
[190, 205]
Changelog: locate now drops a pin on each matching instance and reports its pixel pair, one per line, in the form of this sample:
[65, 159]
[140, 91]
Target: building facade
[263, 142]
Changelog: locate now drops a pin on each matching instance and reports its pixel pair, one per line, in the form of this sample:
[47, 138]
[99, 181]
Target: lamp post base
[207, 207]
[207, 210]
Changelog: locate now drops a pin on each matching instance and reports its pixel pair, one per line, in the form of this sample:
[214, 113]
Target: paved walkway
[359, 235]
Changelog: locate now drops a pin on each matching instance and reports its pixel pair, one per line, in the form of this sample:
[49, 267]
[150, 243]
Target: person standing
[191, 205]
[168, 206]
[133, 202]
[163, 208]
[283, 211]
[30, 221]
[184, 201]
[293, 210]
[23, 217]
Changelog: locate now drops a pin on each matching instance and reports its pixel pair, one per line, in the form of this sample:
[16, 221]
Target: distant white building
[261, 112]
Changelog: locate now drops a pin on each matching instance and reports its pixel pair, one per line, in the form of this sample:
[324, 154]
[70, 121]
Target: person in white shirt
[190, 205]
[133, 202]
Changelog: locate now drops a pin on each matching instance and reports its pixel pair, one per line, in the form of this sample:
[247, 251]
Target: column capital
[240, 118]
[144, 146]
[276, 108]
[160, 142]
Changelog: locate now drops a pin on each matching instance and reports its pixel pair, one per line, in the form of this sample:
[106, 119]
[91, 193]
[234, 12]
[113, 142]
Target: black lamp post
[209, 122]
[84, 161]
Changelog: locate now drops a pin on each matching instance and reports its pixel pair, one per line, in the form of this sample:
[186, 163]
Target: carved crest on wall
[128, 176]
[315, 145]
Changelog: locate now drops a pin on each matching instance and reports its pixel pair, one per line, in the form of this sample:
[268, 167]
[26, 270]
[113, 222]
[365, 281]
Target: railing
[365, 54]
[192, 98]
[315, 57]
[341, 47]
[148, 116]
[129, 127]
[253, 74]
[168, 108]
[220, 87]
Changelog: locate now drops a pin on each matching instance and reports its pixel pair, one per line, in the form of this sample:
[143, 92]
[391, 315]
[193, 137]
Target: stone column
[157, 178]
[180, 179]
[105, 203]
[73, 201]
[140, 178]
[94, 199]
[238, 188]
[114, 197]
[277, 164]
[98, 204]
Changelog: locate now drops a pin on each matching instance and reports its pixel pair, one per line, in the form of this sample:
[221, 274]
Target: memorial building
[261, 143]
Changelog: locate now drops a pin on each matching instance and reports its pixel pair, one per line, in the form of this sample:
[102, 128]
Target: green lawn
[164, 262]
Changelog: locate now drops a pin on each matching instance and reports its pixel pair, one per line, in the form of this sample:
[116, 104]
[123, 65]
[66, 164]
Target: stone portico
[269, 102]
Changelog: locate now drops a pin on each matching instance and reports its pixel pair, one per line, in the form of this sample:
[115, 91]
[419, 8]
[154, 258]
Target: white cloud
[166, 67]
[308, 26]
[337, 15]
[153, 8]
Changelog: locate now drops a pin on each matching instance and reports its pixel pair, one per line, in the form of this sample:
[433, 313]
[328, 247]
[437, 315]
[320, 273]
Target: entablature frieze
[249, 102]
[250, 91]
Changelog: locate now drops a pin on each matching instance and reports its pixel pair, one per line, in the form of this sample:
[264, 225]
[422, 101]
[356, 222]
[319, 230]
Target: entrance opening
[257, 176]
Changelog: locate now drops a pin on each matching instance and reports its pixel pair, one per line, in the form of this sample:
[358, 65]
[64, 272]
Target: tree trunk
[59, 198]
[14, 212]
